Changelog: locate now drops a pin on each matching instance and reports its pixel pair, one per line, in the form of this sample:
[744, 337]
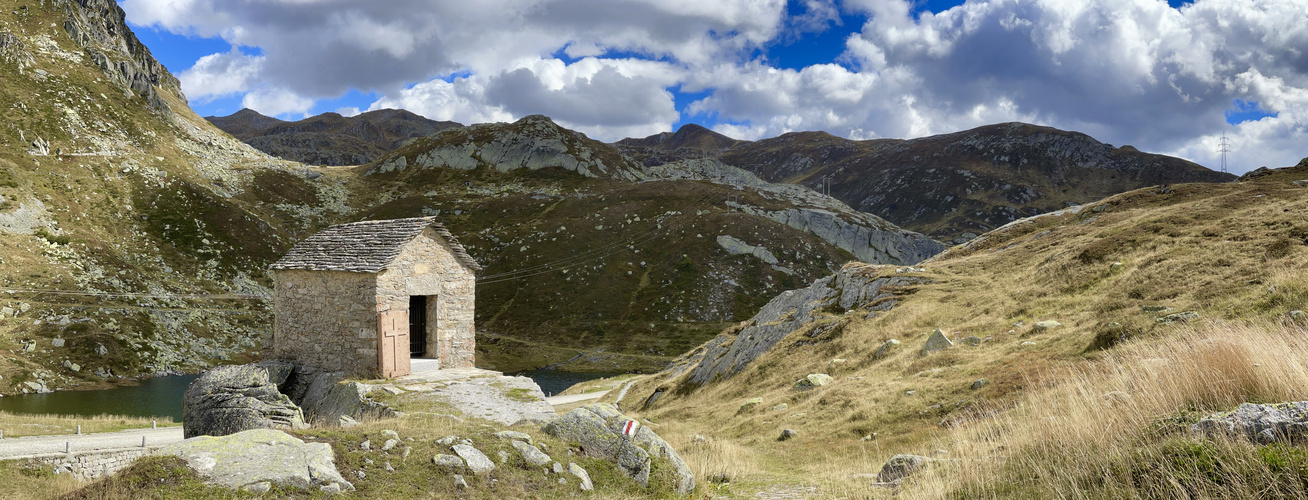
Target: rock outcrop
[533, 142]
[868, 238]
[597, 429]
[258, 458]
[325, 397]
[1260, 423]
[230, 399]
[855, 286]
[100, 28]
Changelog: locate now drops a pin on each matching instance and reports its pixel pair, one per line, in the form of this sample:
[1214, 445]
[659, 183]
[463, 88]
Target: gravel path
[504, 400]
[573, 398]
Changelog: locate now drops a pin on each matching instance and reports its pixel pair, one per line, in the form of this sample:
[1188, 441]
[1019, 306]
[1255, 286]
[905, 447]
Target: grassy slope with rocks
[1095, 407]
[623, 266]
[164, 226]
[113, 189]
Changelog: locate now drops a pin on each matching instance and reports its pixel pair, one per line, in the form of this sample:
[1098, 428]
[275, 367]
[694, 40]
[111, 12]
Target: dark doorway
[417, 326]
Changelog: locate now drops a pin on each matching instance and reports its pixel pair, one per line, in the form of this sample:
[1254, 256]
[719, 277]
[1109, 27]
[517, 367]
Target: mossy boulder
[597, 430]
[247, 458]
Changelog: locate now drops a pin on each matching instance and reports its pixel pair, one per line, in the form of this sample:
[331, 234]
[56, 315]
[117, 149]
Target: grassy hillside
[1094, 407]
[137, 235]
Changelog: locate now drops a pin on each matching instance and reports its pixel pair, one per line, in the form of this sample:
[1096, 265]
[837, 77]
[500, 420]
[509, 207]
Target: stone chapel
[373, 298]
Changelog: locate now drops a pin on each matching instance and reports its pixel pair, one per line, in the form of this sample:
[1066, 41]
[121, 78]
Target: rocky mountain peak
[100, 28]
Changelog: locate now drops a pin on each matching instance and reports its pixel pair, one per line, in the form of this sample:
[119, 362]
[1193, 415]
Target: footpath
[34, 446]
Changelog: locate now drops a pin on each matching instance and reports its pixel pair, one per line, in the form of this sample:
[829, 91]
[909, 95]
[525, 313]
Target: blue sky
[1166, 77]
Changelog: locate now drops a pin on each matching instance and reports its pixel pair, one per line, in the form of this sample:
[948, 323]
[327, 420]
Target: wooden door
[393, 343]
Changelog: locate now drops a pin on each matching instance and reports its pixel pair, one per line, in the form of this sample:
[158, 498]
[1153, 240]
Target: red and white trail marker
[630, 427]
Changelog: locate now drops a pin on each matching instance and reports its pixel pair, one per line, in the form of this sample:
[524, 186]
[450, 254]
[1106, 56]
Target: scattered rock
[1046, 325]
[259, 455]
[1300, 182]
[1028, 343]
[504, 456]
[531, 454]
[265, 486]
[811, 381]
[749, 405]
[449, 462]
[972, 341]
[1260, 423]
[557, 467]
[366, 445]
[460, 482]
[1183, 316]
[230, 399]
[390, 434]
[101, 350]
[886, 348]
[1155, 308]
[390, 443]
[476, 460]
[330, 488]
[1298, 315]
[72, 366]
[936, 342]
[597, 428]
[56, 342]
[447, 440]
[780, 407]
[346, 421]
[520, 436]
[582, 475]
[900, 466]
[979, 383]
[786, 434]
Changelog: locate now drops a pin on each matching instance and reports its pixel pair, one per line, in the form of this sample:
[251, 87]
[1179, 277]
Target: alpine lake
[162, 396]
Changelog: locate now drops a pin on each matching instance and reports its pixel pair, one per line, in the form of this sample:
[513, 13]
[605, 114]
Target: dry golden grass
[1118, 427]
[1218, 250]
[22, 424]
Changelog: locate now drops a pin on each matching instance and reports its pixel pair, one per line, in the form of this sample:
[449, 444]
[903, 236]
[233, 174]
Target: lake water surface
[155, 397]
[162, 396]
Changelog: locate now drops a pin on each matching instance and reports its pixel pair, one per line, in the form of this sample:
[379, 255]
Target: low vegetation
[1005, 410]
[21, 424]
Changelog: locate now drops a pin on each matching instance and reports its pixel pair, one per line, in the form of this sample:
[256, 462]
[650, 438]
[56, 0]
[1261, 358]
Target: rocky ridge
[329, 138]
[951, 186]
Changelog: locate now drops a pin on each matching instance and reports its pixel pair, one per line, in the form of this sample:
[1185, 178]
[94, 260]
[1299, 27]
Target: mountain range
[951, 187]
[138, 235]
[329, 138]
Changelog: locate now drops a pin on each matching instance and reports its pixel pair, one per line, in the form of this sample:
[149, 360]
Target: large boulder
[326, 397]
[936, 342]
[1265, 423]
[234, 398]
[251, 458]
[597, 429]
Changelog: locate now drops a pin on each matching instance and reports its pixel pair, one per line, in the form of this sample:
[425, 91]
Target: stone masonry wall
[427, 267]
[95, 464]
[327, 319]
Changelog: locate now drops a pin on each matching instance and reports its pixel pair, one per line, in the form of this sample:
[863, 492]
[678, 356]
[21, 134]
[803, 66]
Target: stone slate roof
[365, 247]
